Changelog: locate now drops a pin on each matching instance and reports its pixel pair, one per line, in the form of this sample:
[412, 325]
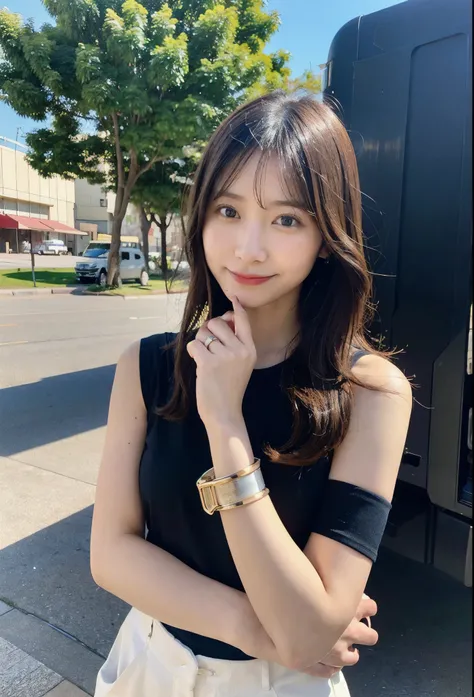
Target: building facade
[31, 205]
[92, 207]
[35, 208]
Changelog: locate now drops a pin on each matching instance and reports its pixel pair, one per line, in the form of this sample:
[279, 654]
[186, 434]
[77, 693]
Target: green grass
[60, 278]
[128, 288]
[45, 278]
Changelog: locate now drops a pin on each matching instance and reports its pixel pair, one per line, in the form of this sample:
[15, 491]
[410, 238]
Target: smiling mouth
[249, 280]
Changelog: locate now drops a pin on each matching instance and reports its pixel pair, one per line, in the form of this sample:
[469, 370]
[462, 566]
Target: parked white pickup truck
[51, 247]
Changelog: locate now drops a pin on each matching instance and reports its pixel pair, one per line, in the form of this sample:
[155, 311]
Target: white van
[94, 267]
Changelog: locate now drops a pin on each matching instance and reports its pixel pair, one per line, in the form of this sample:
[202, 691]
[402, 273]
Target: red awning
[65, 229]
[22, 222]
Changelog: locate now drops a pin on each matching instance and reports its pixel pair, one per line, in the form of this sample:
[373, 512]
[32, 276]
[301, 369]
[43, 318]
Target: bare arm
[303, 600]
[136, 571]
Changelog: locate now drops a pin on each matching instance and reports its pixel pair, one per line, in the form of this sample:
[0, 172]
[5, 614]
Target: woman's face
[261, 255]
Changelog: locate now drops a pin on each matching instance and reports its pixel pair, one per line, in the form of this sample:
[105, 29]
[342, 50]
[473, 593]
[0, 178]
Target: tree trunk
[164, 262]
[125, 186]
[122, 200]
[113, 267]
[145, 228]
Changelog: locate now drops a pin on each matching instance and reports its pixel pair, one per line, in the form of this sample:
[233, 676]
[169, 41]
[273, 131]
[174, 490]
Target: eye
[288, 221]
[227, 212]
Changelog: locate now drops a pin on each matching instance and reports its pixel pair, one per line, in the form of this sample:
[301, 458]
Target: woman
[272, 399]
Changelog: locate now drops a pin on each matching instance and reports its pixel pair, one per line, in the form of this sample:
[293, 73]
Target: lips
[250, 280]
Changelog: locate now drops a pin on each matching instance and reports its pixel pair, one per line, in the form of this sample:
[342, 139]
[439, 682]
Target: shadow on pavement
[54, 408]
[48, 575]
[425, 634]
[424, 618]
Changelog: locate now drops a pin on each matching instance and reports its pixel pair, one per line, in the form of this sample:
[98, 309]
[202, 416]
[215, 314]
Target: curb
[52, 656]
[99, 295]
[63, 291]
[69, 291]
[38, 291]
[130, 296]
[32, 291]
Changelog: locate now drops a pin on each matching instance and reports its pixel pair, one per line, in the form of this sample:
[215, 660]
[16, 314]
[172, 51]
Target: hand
[343, 652]
[255, 642]
[224, 368]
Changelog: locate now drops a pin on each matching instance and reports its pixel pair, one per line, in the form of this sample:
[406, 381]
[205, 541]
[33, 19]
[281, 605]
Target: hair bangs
[296, 178]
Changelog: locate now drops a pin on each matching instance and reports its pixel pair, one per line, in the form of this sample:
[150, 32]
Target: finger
[366, 608]
[359, 633]
[349, 658]
[197, 351]
[319, 670]
[243, 330]
[214, 347]
[229, 318]
[220, 328]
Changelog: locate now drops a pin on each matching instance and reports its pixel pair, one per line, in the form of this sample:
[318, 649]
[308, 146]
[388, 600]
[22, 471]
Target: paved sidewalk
[28, 649]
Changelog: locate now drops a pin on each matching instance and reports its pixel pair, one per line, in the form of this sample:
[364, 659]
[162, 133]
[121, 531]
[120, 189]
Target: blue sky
[307, 28]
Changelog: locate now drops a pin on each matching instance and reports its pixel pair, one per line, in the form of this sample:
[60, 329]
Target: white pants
[152, 663]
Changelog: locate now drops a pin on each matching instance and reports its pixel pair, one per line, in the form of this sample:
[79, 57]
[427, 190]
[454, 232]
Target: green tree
[126, 85]
[158, 197]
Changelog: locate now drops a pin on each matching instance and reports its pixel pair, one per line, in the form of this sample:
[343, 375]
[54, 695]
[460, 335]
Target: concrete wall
[102, 225]
[24, 192]
[131, 222]
[88, 204]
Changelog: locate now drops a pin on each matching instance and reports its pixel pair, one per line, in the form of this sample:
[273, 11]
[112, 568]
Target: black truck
[401, 81]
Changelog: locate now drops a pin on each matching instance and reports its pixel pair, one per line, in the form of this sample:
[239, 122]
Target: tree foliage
[126, 85]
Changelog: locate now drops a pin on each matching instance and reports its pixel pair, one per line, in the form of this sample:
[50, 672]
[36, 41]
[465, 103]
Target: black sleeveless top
[175, 455]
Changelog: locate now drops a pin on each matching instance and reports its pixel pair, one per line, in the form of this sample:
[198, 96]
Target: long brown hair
[320, 169]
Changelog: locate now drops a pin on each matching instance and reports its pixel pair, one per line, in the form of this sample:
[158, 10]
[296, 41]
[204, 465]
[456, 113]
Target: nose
[250, 246]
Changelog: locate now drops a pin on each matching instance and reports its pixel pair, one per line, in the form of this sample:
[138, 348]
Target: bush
[154, 256]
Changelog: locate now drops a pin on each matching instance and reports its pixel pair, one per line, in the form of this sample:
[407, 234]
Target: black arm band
[352, 516]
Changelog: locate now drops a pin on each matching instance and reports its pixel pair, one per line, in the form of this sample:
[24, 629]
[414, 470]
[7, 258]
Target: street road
[57, 358]
[42, 261]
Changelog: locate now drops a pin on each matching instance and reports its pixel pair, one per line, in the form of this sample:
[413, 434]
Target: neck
[274, 327]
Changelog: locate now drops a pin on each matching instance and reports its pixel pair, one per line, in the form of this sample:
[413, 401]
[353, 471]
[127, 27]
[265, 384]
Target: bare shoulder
[371, 452]
[380, 375]
[127, 373]
[129, 358]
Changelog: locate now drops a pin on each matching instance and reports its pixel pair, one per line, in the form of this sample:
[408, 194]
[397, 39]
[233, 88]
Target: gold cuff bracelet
[240, 489]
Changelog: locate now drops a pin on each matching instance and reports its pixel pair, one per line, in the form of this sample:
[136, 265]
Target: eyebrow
[283, 202]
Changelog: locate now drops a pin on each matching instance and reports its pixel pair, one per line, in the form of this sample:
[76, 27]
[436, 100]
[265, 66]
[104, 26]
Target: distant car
[183, 265]
[51, 247]
[93, 265]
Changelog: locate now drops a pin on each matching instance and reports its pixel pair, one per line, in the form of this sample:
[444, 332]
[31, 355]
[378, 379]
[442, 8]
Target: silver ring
[209, 340]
